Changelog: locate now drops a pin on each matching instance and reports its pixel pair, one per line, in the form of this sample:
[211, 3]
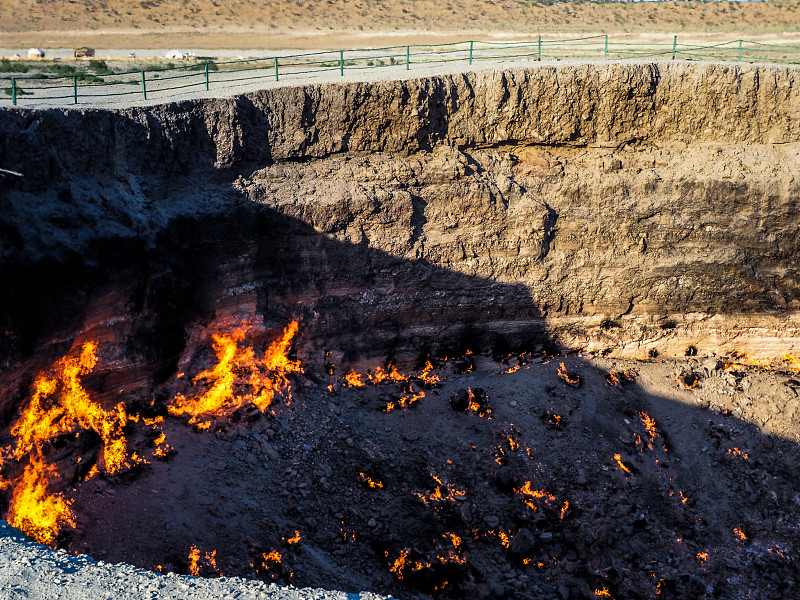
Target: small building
[84, 52]
[35, 53]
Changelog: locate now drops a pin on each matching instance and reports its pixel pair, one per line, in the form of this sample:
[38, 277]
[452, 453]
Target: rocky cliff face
[629, 209]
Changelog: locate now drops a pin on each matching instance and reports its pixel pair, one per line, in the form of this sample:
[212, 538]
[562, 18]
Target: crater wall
[628, 208]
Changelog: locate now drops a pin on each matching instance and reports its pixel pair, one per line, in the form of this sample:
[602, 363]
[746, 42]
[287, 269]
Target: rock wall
[621, 208]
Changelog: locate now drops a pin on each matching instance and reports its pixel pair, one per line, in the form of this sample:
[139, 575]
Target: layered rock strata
[622, 208]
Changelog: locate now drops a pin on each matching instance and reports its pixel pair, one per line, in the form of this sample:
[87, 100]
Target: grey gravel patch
[34, 572]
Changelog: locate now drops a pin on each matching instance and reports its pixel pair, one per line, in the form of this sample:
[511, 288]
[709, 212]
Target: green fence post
[144, 87]
[674, 46]
[206, 75]
[74, 89]
[605, 50]
[408, 57]
[276, 68]
[341, 63]
[13, 91]
[740, 50]
[470, 52]
[540, 48]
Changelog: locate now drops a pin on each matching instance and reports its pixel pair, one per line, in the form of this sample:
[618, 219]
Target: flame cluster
[448, 552]
[444, 492]
[530, 495]
[196, 561]
[239, 378]
[60, 405]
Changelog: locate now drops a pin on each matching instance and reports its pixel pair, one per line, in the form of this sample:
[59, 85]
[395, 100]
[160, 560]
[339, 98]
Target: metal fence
[164, 83]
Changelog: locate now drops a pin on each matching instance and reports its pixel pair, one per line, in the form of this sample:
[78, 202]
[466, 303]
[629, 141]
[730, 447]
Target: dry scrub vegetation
[260, 23]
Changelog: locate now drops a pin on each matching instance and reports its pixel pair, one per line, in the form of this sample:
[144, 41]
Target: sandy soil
[344, 23]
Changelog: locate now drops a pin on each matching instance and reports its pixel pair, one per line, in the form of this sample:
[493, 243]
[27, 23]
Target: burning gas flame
[622, 466]
[271, 558]
[571, 379]
[354, 379]
[391, 375]
[529, 495]
[602, 593]
[702, 556]
[62, 405]
[564, 509]
[194, 561]
[437, 497]
[793, 360]
[294, 539]
[237, 367]
[427, 375]
[209, 558]
[370, 482]
[404, 401]
[399, 564]
[740, 534]
[58, 405]
[738, 453]
[39, 514]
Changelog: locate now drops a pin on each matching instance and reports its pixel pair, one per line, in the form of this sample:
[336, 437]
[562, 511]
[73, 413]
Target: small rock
[459, 401]
[523, 543]
[491, 521]
[563, 592]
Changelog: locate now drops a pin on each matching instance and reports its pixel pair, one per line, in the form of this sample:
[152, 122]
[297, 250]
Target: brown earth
[339, 24]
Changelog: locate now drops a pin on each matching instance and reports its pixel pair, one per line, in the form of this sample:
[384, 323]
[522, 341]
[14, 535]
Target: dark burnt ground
[692, 518]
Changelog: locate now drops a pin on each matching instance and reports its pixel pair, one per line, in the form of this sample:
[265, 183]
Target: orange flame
[703, 556]
[793, 360]
[566, 376]
[603, 592]
[529, 495]
[33, 510]
[295, 538]
[371, 482]
[73, 409]
[622, 466]
[354, 379]
[427, 374]
[738, 531]
[270, 558]
[399, 564]
[738, 453]
[513, 369]
[504, 541]
[438, 497]
[392, 374]
[564, 509]
[404, 401]
[267, 377]
[194, 561]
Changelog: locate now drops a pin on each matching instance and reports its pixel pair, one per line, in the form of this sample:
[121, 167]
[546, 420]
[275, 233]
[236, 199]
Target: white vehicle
[178, 54]
[35, 53]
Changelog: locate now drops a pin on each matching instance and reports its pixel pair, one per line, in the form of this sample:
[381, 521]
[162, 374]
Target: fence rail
[163, 83]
